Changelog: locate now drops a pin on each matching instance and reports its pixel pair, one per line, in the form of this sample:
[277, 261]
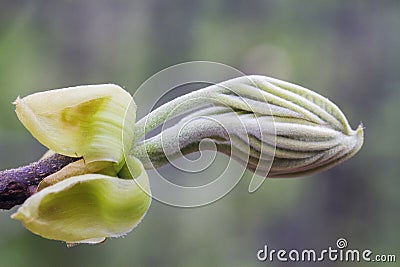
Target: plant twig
[16, 185]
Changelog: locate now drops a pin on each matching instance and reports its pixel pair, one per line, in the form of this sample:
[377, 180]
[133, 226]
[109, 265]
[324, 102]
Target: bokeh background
[346, 50]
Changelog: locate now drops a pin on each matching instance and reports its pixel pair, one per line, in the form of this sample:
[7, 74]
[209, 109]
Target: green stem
[153, 152]
[176, 107]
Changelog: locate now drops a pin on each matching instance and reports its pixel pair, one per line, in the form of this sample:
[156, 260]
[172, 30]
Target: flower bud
[256, 120]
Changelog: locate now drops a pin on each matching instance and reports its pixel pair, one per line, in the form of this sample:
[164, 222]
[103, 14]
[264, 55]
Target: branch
[16, 185]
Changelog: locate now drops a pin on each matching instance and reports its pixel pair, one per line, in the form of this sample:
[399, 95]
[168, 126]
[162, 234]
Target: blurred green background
[346, 50]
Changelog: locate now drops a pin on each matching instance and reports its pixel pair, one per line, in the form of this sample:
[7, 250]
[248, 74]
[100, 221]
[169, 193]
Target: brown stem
[16, 185]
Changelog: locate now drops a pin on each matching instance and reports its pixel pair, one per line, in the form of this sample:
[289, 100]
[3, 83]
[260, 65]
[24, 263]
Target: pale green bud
[255, 119]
